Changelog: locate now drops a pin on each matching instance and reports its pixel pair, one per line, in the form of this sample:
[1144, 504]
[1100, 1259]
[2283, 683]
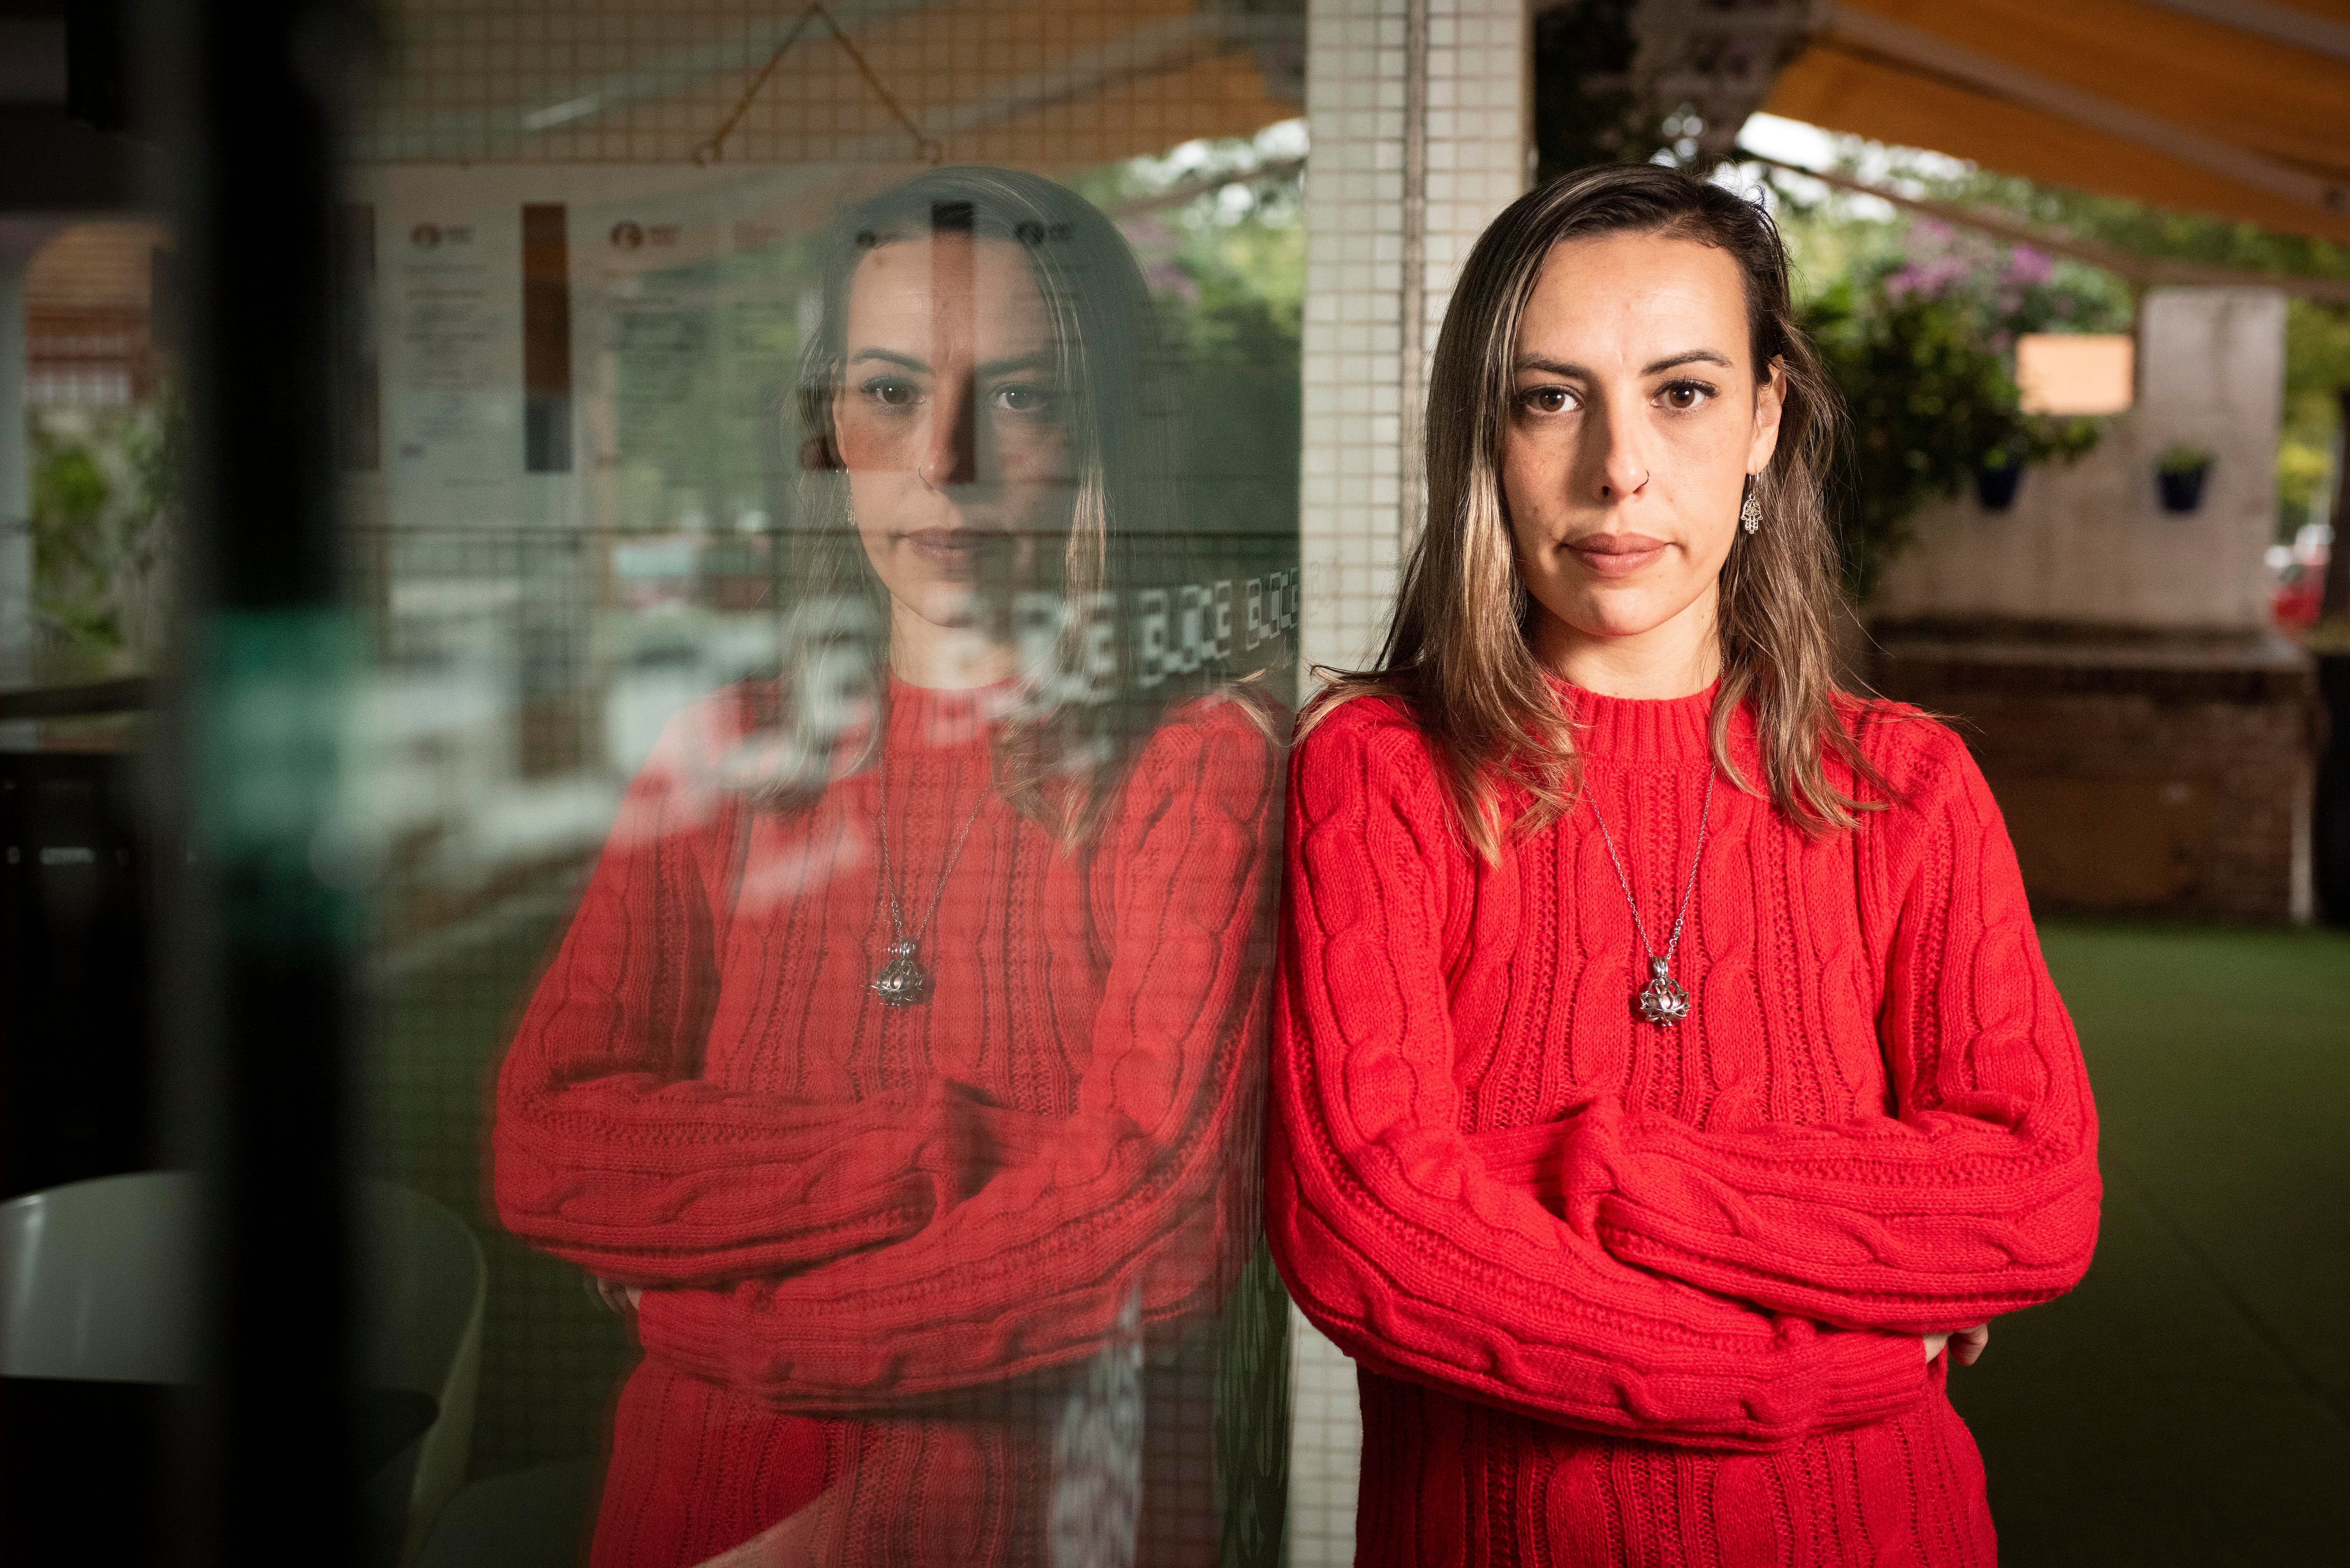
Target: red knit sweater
[874, 1239]
[1625, 1294]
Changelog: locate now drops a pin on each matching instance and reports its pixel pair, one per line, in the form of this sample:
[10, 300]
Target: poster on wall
[449, 357]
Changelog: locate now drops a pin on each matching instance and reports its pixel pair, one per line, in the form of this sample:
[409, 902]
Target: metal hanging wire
[928, 148]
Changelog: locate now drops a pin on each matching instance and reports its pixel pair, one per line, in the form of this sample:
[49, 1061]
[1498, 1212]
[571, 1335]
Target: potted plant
[2180, 474]
[1997, 475]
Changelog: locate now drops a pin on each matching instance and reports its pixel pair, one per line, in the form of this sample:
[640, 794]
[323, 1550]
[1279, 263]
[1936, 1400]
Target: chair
[98, 1280]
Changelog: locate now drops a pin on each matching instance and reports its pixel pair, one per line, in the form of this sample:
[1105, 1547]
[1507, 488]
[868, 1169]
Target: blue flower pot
[1995, 487]
[2183, 491]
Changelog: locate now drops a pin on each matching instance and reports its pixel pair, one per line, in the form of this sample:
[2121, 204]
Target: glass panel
[821, 490]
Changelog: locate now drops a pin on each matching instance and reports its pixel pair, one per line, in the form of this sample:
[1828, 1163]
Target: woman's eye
[1686, 395]
[1546, 400]
[892, 392]
[1025, 399]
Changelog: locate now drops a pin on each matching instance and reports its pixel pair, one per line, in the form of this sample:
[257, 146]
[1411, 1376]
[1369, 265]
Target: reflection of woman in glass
[899, 1068]
[1667, 1082]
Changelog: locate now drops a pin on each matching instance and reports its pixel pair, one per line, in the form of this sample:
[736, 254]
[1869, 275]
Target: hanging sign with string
[929, 148]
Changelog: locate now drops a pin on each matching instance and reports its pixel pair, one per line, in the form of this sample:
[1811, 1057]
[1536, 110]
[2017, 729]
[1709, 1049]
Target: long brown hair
[1458, 650]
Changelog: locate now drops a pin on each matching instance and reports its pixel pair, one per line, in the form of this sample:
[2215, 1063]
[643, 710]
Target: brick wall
[2167, 777]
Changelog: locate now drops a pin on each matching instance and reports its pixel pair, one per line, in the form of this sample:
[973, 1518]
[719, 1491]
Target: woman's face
[1634, 421]
[950, 418]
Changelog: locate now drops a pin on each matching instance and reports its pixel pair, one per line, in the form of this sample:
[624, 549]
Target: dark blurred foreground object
[244, 101]
[101, 1347]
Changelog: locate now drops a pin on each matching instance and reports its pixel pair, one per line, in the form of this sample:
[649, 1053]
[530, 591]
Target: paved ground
[2190, 1402]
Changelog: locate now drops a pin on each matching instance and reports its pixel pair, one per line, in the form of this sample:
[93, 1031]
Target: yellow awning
[1040, 84]
[2240, 109]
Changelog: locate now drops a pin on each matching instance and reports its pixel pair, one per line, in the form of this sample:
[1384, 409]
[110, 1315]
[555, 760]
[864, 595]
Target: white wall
[2088, 543]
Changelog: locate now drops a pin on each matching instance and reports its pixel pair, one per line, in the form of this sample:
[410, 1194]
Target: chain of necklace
[902, 981]
[1663, 1001]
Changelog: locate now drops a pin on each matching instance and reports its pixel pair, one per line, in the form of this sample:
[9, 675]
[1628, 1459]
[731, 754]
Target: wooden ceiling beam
[2277, 24]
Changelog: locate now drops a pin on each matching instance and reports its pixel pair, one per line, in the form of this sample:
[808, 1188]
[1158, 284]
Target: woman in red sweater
[1667, 1079]
[900, 1070]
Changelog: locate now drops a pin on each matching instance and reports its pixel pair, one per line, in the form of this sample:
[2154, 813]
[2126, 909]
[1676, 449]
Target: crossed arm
[1978, 1197]
[836, 1258]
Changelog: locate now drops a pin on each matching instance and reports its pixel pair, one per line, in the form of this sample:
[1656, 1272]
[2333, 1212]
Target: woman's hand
[620, 1298]
[789, 1544]
[1966, 1345]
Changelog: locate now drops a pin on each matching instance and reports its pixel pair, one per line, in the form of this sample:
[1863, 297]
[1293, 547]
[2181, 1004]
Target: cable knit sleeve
[1979, 1195]
[1145, 1192]
[1431, 1256]
[603, 1132]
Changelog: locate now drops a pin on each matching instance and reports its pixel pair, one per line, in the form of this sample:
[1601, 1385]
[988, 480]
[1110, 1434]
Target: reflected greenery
[104, 487]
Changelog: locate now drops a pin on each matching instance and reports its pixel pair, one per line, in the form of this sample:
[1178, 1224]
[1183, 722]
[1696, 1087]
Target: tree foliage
[1227, 269]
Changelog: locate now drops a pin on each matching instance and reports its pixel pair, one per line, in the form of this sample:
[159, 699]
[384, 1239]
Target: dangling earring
[1750, 513]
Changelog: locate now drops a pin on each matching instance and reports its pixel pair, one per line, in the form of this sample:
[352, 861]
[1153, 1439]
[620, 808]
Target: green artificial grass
[2190, 1403]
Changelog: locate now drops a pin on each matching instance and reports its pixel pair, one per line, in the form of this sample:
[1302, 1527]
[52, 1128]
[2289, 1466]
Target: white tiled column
[1366, 179]
[1406, 167]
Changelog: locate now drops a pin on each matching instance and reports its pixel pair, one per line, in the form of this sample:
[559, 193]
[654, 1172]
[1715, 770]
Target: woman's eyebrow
[1687, 356]
[1653, 367]
[1039, 359]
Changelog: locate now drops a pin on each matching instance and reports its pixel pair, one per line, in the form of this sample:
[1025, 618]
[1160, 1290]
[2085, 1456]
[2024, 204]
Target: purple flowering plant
[1923, 347]
[2005, 291]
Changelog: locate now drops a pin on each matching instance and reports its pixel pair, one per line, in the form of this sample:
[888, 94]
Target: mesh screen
[832, 602]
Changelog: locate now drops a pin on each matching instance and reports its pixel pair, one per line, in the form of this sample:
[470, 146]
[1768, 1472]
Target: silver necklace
[902, 981]
[1663, 1001]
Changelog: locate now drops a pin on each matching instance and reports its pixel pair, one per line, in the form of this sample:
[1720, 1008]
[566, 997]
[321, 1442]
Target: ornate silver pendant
[1662, 1002]
[902, 981]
